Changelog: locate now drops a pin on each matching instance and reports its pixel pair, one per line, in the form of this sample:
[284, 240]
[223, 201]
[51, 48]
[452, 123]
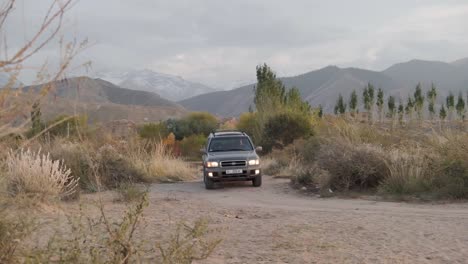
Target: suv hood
[232, 155]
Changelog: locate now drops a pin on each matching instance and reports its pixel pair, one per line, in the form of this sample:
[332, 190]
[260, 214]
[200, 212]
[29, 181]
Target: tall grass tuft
[158, 164]
[408, 172]
[34, 173]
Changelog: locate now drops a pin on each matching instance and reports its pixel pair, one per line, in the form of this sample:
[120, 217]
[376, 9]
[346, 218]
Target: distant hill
[445, 76]
[323, 86]
[103, 101]
[170, 87]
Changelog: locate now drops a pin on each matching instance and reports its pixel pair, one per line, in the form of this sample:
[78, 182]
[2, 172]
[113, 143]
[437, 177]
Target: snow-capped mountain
[168, 86]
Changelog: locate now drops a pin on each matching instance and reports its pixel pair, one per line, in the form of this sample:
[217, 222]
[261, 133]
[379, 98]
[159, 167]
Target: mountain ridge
[171, 87]
[322, 86]
[103, 101]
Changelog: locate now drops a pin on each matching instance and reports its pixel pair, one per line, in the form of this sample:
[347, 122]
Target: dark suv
[230, 156]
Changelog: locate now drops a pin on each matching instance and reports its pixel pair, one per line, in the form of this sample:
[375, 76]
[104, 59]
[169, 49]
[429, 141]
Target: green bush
[191, 145]
[282, 129]
[67, 126]
[249, 124]
[153, 131]
[455, 183]
[194, 124]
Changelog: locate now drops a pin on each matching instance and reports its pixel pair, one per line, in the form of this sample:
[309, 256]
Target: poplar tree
[409, 108]
[442, 113]
[380, 103]
[419, 101]
[401, 112]
[450, 103]
[340, 107]
[269, 91]
[36, 123]
[368, 98]
[391, 107]
[432, 96]
[461, 107]
[353, 103]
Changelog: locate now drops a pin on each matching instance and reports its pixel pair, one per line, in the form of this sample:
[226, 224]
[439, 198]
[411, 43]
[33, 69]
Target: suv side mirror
[203, 151]
[259, 149]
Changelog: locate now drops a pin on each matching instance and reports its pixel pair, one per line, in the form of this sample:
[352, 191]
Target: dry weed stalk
[36, 173]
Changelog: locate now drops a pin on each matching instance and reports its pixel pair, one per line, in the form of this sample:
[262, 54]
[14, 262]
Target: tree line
[374, 101]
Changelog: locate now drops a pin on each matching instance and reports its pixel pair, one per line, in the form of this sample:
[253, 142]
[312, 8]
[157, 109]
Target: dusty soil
[276, 224]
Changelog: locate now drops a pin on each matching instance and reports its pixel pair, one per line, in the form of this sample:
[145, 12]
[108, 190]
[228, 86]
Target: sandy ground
[276, 224]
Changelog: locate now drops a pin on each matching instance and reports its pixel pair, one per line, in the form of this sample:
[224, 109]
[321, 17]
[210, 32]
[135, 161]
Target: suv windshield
[218, 144]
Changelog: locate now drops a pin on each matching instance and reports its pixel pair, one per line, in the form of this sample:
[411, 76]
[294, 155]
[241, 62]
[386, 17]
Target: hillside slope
[103, 101]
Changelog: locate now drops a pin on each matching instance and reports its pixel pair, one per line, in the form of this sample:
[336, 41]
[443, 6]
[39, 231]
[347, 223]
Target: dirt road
[275, 224]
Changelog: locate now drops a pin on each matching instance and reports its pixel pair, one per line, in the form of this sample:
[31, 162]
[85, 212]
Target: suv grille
[233, 163]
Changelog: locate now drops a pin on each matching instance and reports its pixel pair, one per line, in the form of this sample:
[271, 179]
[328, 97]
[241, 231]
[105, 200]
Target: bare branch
[27, 50]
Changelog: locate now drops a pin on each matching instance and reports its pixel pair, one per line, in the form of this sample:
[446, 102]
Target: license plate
[238, 171]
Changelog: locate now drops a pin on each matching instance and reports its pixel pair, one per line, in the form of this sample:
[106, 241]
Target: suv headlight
[254, 162]
[212, 164]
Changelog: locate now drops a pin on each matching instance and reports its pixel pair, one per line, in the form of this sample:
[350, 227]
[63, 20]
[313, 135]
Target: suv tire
[257, 182]
[209, 183]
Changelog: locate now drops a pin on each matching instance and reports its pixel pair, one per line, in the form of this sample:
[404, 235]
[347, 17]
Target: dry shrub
[120, 162]
[313, 176]
[360, 133]
[129, 192]
[409, 172]
[158, 164]
[94, 240]
[13, 229]
[115, 168]
[102, 239]
[285, 162]
[78, 157]
[291, 169]
[188, 243]
[452, 164]
[270, 166]
[38, 175]
[351, 165]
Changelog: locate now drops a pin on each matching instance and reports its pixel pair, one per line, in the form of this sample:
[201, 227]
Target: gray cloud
[221, 42]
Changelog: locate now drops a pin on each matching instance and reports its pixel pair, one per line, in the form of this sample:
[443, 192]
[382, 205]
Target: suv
[230, 156]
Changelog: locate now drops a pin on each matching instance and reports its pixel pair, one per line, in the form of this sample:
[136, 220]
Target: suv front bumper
[219, 173]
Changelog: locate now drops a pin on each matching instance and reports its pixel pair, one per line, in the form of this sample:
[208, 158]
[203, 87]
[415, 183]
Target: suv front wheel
[209, 184]
[257, 182]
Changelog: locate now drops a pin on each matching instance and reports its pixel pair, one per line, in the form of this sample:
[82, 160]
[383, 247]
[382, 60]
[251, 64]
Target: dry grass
[38, 175]
[13, 229]
[158, 164]
[128, 192]
[270, 166]
[409, 161]
[408, 172]
[352, 166]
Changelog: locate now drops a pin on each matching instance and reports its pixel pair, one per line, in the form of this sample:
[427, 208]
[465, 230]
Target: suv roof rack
[226, 132]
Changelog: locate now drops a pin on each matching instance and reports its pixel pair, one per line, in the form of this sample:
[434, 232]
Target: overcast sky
[219, 42]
